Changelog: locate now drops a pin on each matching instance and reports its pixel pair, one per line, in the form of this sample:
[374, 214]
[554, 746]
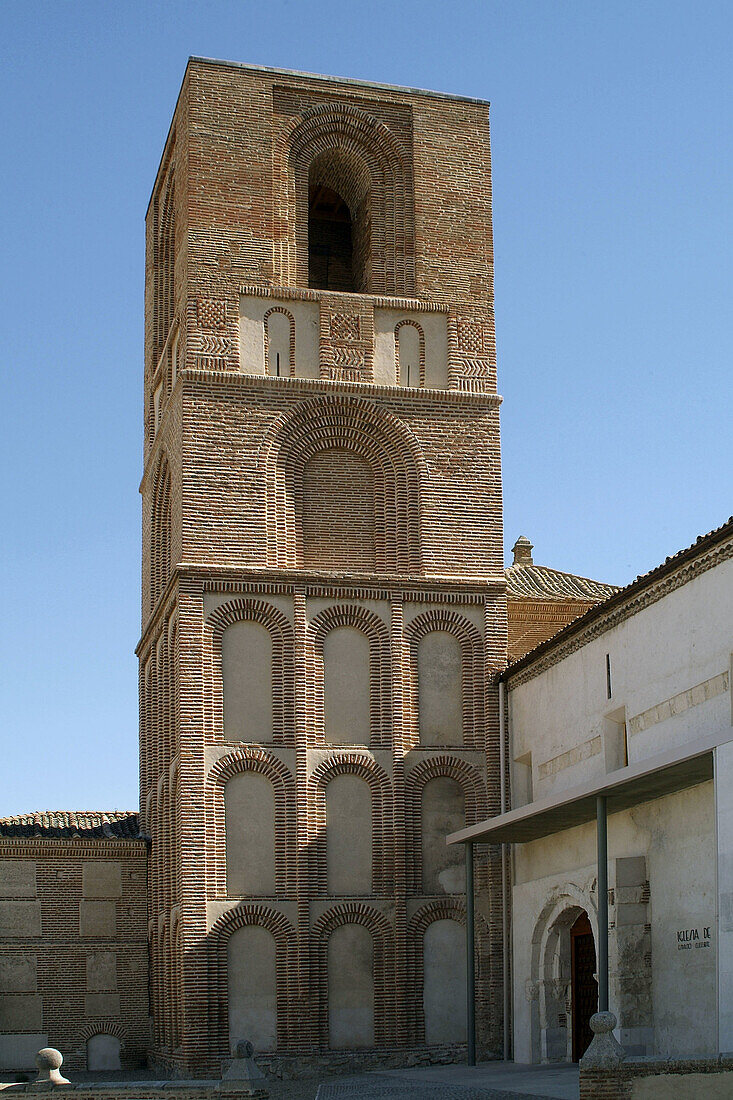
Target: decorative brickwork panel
[345, 327]
[211, 312]
[346, 342]
[473, 339]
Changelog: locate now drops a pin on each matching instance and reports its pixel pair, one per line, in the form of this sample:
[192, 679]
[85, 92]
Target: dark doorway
[584, 985]
[330, 247]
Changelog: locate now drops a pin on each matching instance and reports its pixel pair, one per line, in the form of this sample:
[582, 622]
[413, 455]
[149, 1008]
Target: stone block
[19, 1011]
[18, 1052]
[17, 878]
[102, 1004]
[630, 871]
[101, 971]
[556, 1039]
[102, 879]
[631, 914]
[97, 918]
[20, 918]
[18, 974]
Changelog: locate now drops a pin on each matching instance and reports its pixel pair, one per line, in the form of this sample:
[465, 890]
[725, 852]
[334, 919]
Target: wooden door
[584, 986]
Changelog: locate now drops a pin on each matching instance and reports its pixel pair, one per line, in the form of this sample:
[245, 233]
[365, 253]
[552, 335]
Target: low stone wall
[659, 1079]
[292, 1067]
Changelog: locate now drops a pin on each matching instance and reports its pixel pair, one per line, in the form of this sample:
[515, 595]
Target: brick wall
[533, 621]
[73, 947]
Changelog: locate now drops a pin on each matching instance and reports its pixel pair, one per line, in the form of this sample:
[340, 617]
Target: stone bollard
[604, 1052]
[244, 1077]
[49, 1062]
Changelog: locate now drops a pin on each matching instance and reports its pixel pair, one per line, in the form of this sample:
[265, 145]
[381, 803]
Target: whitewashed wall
[670, 667]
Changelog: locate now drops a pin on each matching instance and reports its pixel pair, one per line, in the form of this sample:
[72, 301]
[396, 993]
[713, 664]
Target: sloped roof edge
[701, 545]
[70, 824]
[539, 582]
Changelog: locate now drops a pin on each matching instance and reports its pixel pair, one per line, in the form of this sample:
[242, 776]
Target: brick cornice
[35, 847]
[258, 382]
[380, 301]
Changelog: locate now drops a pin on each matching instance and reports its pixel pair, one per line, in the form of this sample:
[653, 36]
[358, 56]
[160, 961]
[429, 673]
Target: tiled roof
[67, 824]
[528, 581]
[619, 596]
[537, 582]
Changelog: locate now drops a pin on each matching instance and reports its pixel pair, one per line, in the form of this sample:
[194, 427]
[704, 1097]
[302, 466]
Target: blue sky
[612, 150]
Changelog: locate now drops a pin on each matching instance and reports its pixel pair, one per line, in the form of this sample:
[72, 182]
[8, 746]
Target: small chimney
[522, 551]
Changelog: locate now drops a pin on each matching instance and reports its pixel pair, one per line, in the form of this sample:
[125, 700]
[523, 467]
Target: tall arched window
[444, 982]
[349, 835]
[440, 689]
[246, 668]
[251, 959]
[350, 987]
[249, 804]
[443, 812]
[346, 686]
[339, 227]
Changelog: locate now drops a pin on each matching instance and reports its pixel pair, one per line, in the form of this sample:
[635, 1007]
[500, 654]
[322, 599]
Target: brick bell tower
[323, 599]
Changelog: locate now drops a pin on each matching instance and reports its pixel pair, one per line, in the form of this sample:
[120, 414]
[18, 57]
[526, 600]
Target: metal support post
[470, 973]
[602, 837]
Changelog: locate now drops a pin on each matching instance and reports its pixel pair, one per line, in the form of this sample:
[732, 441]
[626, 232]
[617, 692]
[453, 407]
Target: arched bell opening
[339, 225]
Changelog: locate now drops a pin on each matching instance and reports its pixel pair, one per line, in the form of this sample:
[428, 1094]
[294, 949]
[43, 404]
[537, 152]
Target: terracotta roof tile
[537, 582]
[68, 824]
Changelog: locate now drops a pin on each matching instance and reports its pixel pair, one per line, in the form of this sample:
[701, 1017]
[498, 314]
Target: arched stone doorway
[583, 984]
[563, 980]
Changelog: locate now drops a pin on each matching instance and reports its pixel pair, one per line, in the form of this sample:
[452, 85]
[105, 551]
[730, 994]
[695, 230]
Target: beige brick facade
[323, 595]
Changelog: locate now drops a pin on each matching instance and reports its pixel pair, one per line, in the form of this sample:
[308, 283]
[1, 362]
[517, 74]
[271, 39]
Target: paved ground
[491, 1081]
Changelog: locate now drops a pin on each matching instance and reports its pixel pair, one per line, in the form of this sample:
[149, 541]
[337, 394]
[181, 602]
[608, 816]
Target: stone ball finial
[602, 1022]
[604, 1052]
[49, 1063]
[244, 1049]
[522, 551]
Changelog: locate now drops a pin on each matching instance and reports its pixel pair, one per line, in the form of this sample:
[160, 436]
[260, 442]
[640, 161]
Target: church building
[323, 588]
[324, 606]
